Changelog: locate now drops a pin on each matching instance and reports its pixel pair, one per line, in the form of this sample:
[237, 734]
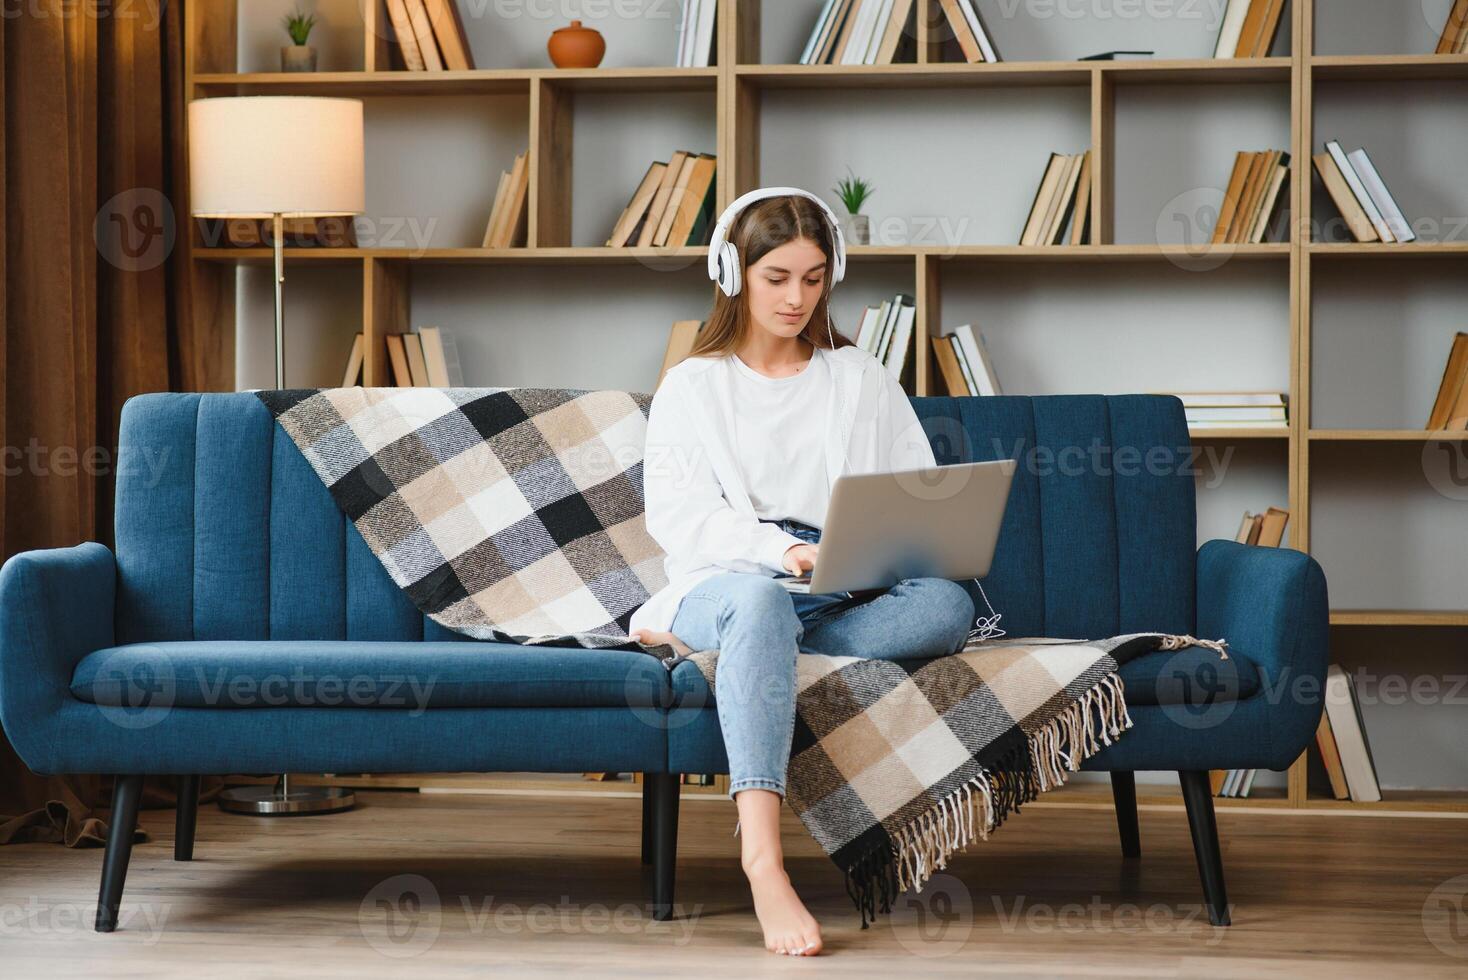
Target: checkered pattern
[511, 514]
[896, 765]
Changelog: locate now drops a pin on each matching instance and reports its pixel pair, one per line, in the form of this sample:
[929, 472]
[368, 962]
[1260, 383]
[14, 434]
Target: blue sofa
[242, 626]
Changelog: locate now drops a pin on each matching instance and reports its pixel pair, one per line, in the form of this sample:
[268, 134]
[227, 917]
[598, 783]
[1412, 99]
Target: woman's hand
[800, 558]
[652, 639]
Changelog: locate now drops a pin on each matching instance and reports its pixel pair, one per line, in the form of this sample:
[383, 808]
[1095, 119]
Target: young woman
[744, 439]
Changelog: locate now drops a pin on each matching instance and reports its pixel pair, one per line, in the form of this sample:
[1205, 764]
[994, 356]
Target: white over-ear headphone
[724, 264]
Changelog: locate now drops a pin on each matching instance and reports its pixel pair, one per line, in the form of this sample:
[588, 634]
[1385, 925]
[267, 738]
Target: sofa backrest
[223, 530]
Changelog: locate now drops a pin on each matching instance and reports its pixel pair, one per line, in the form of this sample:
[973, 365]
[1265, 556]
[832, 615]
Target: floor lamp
[277, 157]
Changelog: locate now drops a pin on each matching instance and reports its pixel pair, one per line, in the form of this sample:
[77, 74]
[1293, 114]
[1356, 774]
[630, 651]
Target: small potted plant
[298, 55]
[854, 192]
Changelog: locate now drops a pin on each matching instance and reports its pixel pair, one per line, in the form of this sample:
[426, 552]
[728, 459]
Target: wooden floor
[465, 885]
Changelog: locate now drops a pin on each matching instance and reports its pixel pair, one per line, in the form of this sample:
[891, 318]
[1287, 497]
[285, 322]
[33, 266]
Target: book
[354, 363]
[1064, 202]
[1039, 208]
[502, 191]
[697, 199]
[818, 32]
[1272, 528]
[1455, 29]
[1245, 529]
[969, 370]
[680, 341]
[660, 200]
[948, 367]
[873, 39]
[1350, 736]
[1231, 28]
[1273, 17]
[696, 34]
[896, 35]
[417, 369]
[1249, 199]
[436, 359]
[1330, 758]
[1359, 225]
[831, 32]
[422, 29]
[968, 43]
[397, 356]
[1451, 391]
[1231, 197]
[971, 344]
[403, 33]
[1203, 399]
[901, 336]
[1376, 189]
[1271, 200]
[448, 30]
[855, 22]
[1120, 56]
[637, 207]
[509, 217]
[1080, 224]
[1260, 25]
[981, 34]
[1358, 189]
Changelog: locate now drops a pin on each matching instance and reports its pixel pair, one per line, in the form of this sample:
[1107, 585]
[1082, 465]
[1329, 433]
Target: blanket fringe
[981, 804]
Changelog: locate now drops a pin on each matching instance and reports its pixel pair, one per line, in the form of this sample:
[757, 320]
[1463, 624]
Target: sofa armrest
[56, 606]
[1272, 606]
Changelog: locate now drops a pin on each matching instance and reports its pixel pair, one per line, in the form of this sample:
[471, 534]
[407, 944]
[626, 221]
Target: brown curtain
[96, 297]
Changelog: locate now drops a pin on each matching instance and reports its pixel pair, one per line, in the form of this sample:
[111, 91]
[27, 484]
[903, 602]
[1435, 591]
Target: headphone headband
[723, 260]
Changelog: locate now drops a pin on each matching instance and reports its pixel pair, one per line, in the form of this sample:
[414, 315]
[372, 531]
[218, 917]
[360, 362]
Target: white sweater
[698, 507]
[779, 437]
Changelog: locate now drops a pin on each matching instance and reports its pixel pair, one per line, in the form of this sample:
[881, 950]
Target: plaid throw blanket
[516, 514]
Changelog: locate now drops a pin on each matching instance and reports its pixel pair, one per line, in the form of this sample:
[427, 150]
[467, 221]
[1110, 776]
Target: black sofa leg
[1198, 796]
[187, 819]
[664, 838]
[1124, 793]
[126, 794]
[649, 799]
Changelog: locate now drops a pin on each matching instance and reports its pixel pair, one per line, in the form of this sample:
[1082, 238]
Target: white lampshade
[256, 156]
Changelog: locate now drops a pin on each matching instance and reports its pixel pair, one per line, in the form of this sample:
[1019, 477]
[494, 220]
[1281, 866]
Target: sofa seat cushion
[350, 673]
[1193, 676]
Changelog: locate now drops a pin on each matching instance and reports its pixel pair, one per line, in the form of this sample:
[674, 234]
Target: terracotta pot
[576, 46]
[297, 57]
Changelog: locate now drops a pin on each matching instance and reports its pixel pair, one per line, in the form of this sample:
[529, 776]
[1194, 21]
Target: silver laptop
[938, 521]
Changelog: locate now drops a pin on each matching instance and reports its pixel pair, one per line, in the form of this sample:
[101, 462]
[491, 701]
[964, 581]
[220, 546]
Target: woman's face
[785, 285]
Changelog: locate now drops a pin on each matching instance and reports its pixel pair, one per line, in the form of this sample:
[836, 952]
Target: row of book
[1234, 409]
[1253, 194]
[886, 331]
[1454, 39]
[1361, 195]
[672, 206]
[696, 34]
[1450, 409]
[429, 35]
[507, 226]
[1061, 211]
[1248, 28]
[425, 358]
[964, 362]
[860, 32]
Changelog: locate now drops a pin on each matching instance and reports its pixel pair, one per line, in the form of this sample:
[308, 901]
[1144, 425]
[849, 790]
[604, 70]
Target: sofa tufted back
[223, 530]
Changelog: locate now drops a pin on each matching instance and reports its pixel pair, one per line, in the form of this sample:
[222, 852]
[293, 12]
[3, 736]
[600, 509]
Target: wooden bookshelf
[738, 89]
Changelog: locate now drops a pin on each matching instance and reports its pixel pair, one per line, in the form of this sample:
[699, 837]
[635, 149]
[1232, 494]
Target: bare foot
[789, 928]
[651, 638]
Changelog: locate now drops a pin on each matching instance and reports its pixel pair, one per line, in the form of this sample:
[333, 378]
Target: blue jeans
[759, 628]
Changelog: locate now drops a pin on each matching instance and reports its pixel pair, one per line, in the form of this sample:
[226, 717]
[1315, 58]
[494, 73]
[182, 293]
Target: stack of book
[1248, 28]
[430, 35]
[1267, 531]
[1361, 195]
[1450, 410]
[1234, 409]
[696, 35]
[1061, 210]
[964, 362]
[507, 220]
[968, 29]
[860, 32]
[428, 358]
[680, 341]
[886, 331]
[672, 206]
[1454, 38]
[1252, 196]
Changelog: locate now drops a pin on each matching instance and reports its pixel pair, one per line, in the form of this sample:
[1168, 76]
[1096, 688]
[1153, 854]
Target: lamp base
[278, 801]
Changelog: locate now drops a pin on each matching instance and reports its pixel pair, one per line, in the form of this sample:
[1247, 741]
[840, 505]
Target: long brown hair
[759, 229]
